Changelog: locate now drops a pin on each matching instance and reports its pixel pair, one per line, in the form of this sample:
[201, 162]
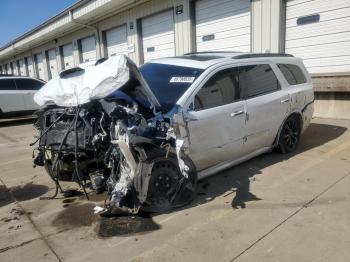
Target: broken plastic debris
[98, 209]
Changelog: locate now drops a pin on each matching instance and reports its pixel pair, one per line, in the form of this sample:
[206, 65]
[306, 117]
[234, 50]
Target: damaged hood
[88, 82]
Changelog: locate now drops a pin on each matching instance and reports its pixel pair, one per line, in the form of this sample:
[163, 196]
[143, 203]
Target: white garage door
[319, 32]
[9, 69]
[223, 25]
[67, 52]
[39, 66]
[22, 67]
[30, 67]
[158, 37]
[14, 68]
[88, 49]
[53, 68]
[116, 41]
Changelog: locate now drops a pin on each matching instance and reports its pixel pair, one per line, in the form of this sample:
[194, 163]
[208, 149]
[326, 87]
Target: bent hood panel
[92, 81]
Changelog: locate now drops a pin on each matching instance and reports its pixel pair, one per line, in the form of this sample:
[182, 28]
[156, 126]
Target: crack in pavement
[290, 216]
[42, 236]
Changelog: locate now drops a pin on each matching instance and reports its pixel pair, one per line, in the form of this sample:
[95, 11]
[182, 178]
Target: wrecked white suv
[146, 136]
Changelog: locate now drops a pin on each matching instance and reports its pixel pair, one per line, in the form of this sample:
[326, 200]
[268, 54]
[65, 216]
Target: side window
[257, 80]
[293, 74]
[7, 84]
[221, 89]
[28, 84]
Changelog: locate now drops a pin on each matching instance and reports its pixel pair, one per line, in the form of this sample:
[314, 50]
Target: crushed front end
[121, 143]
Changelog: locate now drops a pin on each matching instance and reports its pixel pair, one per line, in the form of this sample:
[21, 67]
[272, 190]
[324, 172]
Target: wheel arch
[300, 117]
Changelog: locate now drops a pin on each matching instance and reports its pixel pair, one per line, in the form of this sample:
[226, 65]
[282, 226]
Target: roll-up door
[88, 49]
[158, 37]
[53, 68]
[68, 59]
[223, 25]
[39, 66]
[116, 41]
[22, 67]
[30, 66]
[318, 31]
[14, 68]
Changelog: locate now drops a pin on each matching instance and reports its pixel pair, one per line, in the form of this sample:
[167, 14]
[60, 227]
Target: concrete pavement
[299, 210]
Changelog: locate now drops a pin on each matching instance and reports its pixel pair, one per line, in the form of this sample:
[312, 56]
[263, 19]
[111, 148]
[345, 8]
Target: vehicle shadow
[236, 181]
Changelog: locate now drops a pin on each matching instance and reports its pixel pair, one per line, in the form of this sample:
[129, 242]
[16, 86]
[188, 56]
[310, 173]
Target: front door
[216, 123]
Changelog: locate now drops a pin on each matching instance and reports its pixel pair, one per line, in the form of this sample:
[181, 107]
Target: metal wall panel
[223, 25]
[318, 32]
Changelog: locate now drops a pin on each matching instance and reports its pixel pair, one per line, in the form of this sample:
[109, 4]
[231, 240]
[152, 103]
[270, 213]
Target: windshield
[169, 82]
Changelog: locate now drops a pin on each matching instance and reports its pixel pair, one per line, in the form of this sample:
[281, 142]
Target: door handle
[285, 101]
[237, 113]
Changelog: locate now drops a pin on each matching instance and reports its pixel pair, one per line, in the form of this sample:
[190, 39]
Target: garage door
[39, 66]
[223, 25]
[116, 41]
[9, 69]
[53, 69]
[88, 49]
[319, 32]
[14, 68]
[22, 67]
[30, 67]
[158, 37]
[67, 52]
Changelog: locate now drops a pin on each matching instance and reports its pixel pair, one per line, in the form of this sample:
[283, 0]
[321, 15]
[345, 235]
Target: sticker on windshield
[182, 79]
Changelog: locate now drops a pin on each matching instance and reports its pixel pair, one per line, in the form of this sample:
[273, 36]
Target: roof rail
[244, 56]
[212, 52]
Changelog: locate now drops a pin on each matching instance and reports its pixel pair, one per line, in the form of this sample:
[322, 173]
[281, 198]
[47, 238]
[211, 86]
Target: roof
[204, 60]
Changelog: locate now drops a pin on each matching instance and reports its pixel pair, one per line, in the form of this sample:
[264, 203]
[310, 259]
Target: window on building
[293, 74]
[221, 89]
[257, 80]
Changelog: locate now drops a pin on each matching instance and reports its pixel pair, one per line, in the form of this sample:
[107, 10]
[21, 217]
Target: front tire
[168, 188]
[290, 135]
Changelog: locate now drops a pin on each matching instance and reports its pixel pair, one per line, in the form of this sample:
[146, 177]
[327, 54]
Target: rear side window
[292, 73]
[28, 84]
[257, 80]
[7, 84]
[221, 89]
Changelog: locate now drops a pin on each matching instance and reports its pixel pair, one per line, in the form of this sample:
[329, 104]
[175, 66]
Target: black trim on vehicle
[307, 105]
[244, 56]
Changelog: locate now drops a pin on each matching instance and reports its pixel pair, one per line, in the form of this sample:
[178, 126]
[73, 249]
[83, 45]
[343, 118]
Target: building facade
[316, 30]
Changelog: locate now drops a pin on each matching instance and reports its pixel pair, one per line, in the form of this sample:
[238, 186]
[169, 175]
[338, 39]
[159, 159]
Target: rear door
[267, 105]
[216, 124]
[28, 87]
[11, 99]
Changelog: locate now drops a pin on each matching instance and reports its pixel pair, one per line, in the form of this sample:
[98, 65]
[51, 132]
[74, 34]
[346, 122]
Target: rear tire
[290, 135]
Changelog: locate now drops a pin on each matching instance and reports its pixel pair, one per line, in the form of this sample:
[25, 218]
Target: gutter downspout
[95, 28]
